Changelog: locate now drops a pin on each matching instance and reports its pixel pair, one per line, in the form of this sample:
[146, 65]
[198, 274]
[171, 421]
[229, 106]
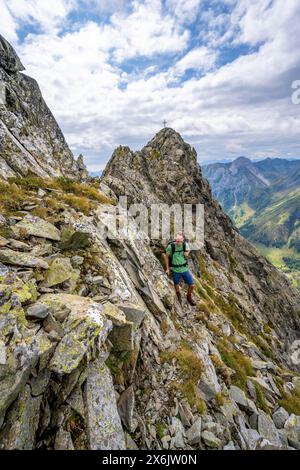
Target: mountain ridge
[267, 215]
[96, 353]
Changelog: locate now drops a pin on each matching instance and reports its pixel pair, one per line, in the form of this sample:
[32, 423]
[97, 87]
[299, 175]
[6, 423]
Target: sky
[219, 72]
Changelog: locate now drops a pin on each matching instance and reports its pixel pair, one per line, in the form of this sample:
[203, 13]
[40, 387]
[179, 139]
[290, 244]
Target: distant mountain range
[263, 200]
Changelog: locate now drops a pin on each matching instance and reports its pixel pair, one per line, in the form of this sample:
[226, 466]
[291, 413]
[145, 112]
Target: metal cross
[164, 122]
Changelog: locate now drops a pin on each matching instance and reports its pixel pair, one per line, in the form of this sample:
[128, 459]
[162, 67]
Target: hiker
[176, 262]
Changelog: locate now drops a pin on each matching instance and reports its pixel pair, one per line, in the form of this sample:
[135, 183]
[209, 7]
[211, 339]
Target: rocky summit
[30, 139]
[95, 350]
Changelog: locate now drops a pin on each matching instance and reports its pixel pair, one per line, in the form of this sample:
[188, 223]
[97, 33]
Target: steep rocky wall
[97, 354]
[166, 170]
[30, 139]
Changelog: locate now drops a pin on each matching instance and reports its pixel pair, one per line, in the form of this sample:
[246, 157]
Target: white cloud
[199, 58]
[146, 31]
[184, 10]
[243, 106]
[8, 25]
[47, 15]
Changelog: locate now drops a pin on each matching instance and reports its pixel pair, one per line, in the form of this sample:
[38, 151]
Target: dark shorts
[186, 276]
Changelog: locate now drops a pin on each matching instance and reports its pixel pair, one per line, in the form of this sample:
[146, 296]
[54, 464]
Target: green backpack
[173, 246]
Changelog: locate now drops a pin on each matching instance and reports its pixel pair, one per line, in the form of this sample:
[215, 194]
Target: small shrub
[81, 204]
[6, 232]
[189, 364]
[234, 359]
[11, 198]
[291, 402]
[220, 399]
[260, 399]
[30, 182]
[41, 212]
[221, 369]
[204, 273]
[160, 430]
[263, 345]
[82, 190]
[191, 368]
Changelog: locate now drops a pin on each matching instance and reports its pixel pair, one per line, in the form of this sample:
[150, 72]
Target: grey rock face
[126, 405]
[280, 417]
[21, 423]
[210, 440]
[31, 140]
[241, 400]
[267, 429]
[104, 424]
[33, 225]
[292, 431]
[194, 433]
[17, 258]
[8, 57]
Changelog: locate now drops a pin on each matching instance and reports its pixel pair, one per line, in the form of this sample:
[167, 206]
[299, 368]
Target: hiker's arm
[167, 261]
[187, 250]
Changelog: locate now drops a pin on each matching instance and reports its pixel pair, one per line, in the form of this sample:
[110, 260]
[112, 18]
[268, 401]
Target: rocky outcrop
[30, 139]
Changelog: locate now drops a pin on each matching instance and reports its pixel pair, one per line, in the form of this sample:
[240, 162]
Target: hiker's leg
[176, 279]
[188, 279]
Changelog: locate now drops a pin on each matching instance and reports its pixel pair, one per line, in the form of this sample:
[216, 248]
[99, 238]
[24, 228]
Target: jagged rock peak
[9, 59]
[165, 168]
[31, 140]
[170, 144]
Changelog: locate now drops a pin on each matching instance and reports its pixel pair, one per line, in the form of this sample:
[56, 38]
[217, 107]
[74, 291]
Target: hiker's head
[179, 238]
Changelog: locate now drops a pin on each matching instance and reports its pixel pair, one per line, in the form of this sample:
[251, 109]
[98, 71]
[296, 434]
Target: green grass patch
[237, 361]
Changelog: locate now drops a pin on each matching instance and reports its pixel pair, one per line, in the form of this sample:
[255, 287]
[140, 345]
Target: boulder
[292, 431]
[133, 312]
[33, 225]
[18, 258]
[18, 245]
[251, 437]
[63, 440]
[122, 337]
[55, 303]
[267, 428]
[37, 311]
[239, 397]
[210, 440]
[86, 326]
[208, 384]
[185, 413]
[114, 314]
[60, 270]
[126, 405]
[268, 391]
[280, 417]
[14, 291]
[21, 423]
[178, 433]
[103, 421]
[25, 350]
[194, 433]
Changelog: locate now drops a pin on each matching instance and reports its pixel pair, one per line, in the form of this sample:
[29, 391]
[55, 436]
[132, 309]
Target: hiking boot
[179, 297]
[190, 300]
